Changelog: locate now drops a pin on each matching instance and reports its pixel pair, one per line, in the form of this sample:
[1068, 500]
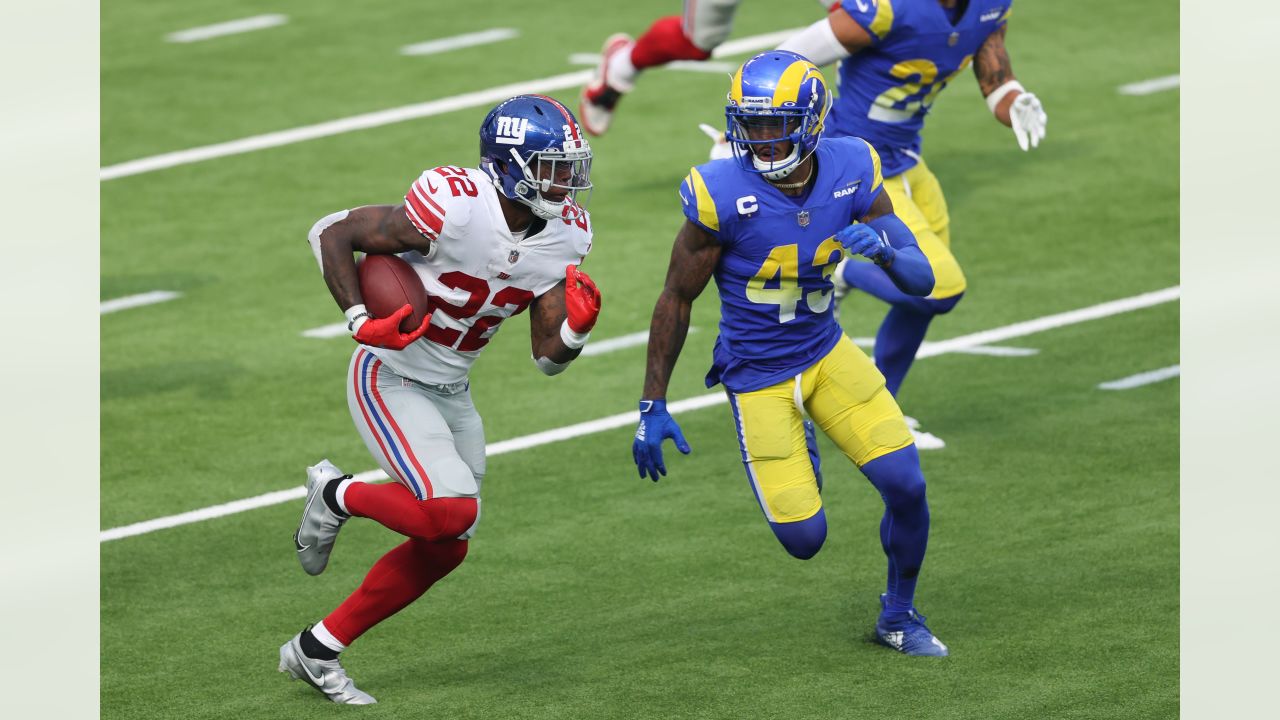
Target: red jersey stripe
[423, 229]
[417, 200]
[568, 117]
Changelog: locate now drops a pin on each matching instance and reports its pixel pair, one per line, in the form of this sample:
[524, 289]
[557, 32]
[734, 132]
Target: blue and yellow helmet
[775, 98]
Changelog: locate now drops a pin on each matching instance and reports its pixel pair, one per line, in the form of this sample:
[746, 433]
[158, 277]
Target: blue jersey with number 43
[777, 257]
[916, 49]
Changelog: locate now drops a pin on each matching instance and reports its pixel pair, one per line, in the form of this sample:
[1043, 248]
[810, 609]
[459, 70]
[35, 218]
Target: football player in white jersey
[487, 243]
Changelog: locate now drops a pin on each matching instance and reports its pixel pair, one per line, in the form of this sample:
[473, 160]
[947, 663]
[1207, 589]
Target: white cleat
[327, 676]
[924, 440]
[319, 526]
[601, 96]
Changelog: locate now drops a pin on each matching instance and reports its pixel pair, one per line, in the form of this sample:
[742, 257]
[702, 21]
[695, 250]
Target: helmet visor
[562, 175]
[767, 141]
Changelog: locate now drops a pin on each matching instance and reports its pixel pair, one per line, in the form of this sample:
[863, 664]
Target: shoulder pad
[439, 194]
[699, 205]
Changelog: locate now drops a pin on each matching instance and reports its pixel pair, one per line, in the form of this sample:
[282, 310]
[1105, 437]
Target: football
[387, 283]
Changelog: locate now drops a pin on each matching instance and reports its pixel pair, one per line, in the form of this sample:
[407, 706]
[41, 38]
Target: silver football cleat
[319, 526]
[327, 676]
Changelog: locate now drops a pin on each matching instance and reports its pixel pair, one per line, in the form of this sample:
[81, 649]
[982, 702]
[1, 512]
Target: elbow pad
[818, 43]
[549, 367]
[313, 237]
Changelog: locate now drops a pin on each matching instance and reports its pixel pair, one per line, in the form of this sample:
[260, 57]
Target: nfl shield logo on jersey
[514, 256]
[802, 217]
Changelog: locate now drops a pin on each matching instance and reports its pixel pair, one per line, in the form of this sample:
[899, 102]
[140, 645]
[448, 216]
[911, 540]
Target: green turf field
[1053, 562]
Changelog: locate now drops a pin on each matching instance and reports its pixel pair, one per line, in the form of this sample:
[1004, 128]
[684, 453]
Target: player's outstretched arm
[1007, 99]
[693, 260]
[880, 236]
[834, 37]
[560, 320]
[375, 230]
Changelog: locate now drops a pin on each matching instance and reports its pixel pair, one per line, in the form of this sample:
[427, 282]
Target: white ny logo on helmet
[511, 130]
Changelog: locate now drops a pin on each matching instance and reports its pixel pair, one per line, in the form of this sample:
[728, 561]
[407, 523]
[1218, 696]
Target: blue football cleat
[910, 636]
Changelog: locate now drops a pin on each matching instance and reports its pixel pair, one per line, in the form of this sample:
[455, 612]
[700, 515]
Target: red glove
[581, 299]
[385, 332]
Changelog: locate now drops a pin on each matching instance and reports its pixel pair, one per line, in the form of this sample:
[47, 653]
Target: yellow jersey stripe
[882, 23]
[706, 206]
[877, 180]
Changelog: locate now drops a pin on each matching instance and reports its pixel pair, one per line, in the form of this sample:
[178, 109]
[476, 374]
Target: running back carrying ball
[387, 284]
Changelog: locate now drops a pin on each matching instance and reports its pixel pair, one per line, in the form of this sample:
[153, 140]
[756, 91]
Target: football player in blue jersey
[897, 55]
[770, 225]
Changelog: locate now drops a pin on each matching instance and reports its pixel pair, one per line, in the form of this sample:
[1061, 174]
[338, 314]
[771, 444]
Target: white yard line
[753, 43]
[133, 301]
[1146, 87]
[989, 350]
[387, 117]
[484, 37]
[1145, 378]
[231, 27]
[1049, 322]
[998, 351]
[596, 347]
[343, 125]
[617, 343]
[707, 66]
[625, 419]
[325, 332]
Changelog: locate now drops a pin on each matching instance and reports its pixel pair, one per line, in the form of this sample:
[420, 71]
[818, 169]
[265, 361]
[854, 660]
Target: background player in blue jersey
[897, 56]
[771, 225]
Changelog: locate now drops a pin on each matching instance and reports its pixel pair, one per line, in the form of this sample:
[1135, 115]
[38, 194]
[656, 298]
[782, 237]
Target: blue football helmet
[534, 150]
[776, 99]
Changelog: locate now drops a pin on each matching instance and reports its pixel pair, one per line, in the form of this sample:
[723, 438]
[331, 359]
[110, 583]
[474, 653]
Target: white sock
[341, 494]
[622, 74]
[326, 638]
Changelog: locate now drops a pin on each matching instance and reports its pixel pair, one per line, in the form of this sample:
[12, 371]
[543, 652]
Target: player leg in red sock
[689, 37]
[397, 579]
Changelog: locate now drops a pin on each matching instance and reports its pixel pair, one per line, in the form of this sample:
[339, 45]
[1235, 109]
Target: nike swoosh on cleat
[305, 510]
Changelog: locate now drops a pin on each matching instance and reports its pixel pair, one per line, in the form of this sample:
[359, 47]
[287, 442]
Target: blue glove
[656, 425]
[860, 239]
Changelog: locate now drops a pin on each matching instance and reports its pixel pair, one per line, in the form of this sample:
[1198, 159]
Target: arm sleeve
[875, 16]
[818, 43]
[313, 236]
[910, 269]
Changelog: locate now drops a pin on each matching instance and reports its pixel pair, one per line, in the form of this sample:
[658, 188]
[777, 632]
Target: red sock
[397, 579]
[395, 507]
[663, 42]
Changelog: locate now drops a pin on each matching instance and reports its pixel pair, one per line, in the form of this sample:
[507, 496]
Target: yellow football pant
[845, 395]
[918, 201]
